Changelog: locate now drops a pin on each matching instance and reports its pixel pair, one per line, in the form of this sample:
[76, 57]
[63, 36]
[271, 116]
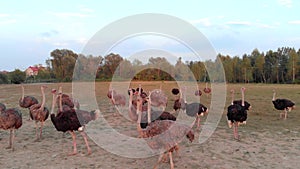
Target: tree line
[281, 66]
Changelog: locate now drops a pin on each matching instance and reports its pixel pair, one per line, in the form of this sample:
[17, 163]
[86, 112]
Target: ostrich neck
[138, 104]
[44, 99]
[274, 96]
[139, 89]
[232, 97]
[149, 109]
[205, 85]
[130, 100]
[60, 103]
[22, 98]
[243, 98]
[53, 103]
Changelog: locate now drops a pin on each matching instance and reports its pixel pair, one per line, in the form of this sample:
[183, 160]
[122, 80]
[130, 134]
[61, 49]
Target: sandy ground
[266, 141]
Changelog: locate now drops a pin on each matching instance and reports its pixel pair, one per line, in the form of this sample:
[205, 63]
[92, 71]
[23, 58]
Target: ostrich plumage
[116, 98]
[175, 91]
[163, 135]
[236, 113]
[2, 107]
[70, 119]
[27, 101]
[282, 104]
[207, 90]
[11, 119]
[39, 113]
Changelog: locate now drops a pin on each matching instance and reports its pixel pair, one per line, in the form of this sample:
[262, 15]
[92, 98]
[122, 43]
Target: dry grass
[266, 141]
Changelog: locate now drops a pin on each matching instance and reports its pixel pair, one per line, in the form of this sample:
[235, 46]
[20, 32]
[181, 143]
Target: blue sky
[30, 30]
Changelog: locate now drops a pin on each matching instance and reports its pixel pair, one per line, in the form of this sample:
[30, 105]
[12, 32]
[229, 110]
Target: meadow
[267, 141]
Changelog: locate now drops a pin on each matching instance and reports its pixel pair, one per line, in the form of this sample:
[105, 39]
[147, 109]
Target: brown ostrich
[69, 101]
[207, 90]
[27, 101]
[39, 113]
[10, 119]
[69, 119]
[163, 135]
[158, 99]
[116, 98]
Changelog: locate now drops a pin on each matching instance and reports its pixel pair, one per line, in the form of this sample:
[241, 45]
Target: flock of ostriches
[147, 110]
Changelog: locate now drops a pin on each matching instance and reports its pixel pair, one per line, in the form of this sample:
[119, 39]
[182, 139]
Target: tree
[63, 63]
[17, 76]
[3, 78]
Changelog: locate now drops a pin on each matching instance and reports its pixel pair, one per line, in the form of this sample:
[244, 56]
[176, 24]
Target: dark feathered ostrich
[192, 109]
[69, 119]
[179, 103]
[236, 114]
[207, 90]
[163, 135]
[247, 104]
[2, 107]
[27, 101]
[282, 104]
[39, 113]
[10, 119]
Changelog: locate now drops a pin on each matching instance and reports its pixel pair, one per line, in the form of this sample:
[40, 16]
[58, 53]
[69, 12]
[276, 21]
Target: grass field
[266, 141]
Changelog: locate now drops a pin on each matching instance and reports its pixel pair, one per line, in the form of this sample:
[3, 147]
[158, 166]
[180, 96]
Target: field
[266, 140]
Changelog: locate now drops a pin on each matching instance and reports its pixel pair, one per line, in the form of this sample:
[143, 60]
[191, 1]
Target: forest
[281, 66]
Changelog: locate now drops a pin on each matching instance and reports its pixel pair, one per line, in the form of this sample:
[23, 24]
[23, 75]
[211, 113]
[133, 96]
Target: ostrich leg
[86, 142]
[171, 160]
[159, 160]
[235, 130]
[74, 143]
[285, 113]
[198, 122]
[41, 129]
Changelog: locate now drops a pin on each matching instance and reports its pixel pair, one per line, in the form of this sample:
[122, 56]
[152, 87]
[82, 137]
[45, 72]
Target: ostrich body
[236, 113]
[39, 113]
[158, 99]
[69, 119]
[163, 135]
[2, 107]
[198, 93]
[11, 119]
[27, 101]
[175, 91]
[206, 90]
[282, 104]
[116, 98]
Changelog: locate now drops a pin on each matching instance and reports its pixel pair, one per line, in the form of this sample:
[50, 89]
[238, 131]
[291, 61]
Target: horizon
[232, 27]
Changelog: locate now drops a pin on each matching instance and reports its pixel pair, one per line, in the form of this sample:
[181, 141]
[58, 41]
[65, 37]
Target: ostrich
[69, 101]
[27, 101]
[282, 104]
[39, 113]
[206, 90]
[179, 103]
[236, 113]
[156, 115]
[163, 135]
[69, 119]
[192, 109]
[158, 99]
[116, 99]
[10, 119]
[198, 93]
[175, 91]
[247, 104]
[2, 107]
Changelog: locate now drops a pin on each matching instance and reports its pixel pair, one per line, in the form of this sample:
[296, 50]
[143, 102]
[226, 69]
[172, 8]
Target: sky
[30, 30]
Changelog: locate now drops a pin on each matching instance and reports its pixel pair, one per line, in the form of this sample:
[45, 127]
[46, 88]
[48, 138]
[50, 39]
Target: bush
[3, 78]
[17, 76]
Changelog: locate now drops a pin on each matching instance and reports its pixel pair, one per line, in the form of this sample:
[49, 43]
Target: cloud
[285, 3]
[2, 15]
[239, 23]
[49, 33]
[203, 21]
[70, 14]
[8, 21]
[296, 22]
